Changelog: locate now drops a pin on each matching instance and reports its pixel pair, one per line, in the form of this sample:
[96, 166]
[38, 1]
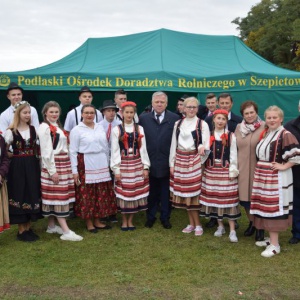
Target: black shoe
[113, 219]
[149, 223]
[166, 224]
[250, 230]
[25, 236]
[104, 227]
[72, 215]
[212, 223]
[105, 219]
[294, 240]
[259, 235]
[32, 233]
[93, 230]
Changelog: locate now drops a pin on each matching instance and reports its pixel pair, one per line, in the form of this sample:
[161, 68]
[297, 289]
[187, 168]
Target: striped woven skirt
[185, 185]
[56, 198]
[219, 194]
[133, 189]
[4, 214]
[272, 197]
[93, 200]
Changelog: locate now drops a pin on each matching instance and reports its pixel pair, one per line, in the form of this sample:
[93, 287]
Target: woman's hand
[172, 171]
[76, 179]
[201, 150]
[146, 174]
[118, 177]
[281, 167]
[55, 178]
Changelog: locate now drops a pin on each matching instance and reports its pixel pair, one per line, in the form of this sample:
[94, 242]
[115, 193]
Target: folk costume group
[103, 163]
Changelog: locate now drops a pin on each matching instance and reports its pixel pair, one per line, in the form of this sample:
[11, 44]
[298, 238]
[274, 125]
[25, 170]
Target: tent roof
[161, 54]
[162, 50]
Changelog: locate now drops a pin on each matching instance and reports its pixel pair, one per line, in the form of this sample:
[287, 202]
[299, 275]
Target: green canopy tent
[171, 61]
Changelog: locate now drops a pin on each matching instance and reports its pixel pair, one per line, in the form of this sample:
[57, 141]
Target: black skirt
[24, 189]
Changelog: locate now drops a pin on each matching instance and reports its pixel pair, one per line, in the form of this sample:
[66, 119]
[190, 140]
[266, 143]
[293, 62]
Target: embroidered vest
[132, 141]
[218, 151]
[25, 147]
[197, 136]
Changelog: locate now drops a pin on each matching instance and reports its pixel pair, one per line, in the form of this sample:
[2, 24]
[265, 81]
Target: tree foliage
[272, 29]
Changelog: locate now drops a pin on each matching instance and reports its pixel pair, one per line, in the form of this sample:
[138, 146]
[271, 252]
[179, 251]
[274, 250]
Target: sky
[35, 33]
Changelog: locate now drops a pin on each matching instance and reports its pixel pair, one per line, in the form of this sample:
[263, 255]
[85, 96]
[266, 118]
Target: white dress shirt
[70, 122]
[7, 118]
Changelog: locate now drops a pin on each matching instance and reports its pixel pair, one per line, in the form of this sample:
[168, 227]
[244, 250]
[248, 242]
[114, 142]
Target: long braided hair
[223, 136]
[124, 138]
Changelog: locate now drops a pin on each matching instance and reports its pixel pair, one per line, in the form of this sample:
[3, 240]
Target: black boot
[212, 223]
[250, 230]
[260, 235]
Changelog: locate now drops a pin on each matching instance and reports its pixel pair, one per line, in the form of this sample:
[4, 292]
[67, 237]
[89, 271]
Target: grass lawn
[146, 264]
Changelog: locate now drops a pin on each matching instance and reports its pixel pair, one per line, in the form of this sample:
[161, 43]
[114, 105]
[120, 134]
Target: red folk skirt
[94, 200]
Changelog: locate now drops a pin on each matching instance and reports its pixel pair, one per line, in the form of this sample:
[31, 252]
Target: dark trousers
[296, 214]
[159, 194]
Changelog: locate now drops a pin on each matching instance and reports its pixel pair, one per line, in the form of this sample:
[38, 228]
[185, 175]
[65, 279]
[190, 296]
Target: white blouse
[47, 151]
[185, 139]
[8, 136]
[233, 166]
[115, 160]
[263, 147]
[93, 144]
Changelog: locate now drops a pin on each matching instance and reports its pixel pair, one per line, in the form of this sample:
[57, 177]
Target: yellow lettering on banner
[242, 82]
[71, 80]
[97, 82]
[205, 84]
[270, 83]
[121, 82]
[41, 81]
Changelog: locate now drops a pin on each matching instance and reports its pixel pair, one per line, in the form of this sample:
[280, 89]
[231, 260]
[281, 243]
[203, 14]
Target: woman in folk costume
[57, 179]
[130, 164]
[272, 192]
[89, 153]
[4, 167]
[24, 173]
[219, 193]
[247, 137]
[189, 141]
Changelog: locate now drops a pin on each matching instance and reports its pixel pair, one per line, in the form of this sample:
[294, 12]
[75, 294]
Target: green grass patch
[146, 264]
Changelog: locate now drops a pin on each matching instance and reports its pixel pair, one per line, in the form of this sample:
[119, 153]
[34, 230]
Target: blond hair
[190, 99]
[16, 121]
[274, 108]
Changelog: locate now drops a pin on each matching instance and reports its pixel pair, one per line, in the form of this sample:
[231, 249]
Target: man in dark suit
[179, 107]
[225, 102]
[210, 106]
[158, 127]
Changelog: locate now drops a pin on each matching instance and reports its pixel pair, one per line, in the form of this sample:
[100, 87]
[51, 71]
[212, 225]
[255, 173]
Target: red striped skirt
[217, 189]
[133, 186]
[64, 192]
[272, 192]
[186, 181]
